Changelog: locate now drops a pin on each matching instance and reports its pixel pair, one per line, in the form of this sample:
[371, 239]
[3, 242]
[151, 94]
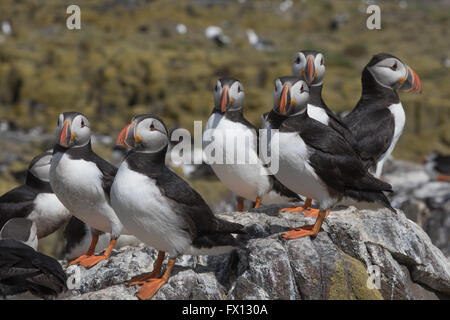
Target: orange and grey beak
[66, 134]
[310, 70]
[285, 99]
[126, 137]
[411, 83]
[224, 100]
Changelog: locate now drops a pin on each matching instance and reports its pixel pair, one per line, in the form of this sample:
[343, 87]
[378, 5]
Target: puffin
[437, 165]
[309, 65]
[315, 160]
[82, 181]
[35, 199]
[249, 178]
[378, 119]
[160, 208]
[24, 269]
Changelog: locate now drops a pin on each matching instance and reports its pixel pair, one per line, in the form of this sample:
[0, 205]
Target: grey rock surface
[334, 265]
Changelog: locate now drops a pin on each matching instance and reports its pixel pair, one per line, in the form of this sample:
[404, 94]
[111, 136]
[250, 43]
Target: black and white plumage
[82, 181]
[378, 119]
[317, 162]
[309, 65]
[35, 199]
[250, 178]
[159, 207]
[24, 269]
[437, 165]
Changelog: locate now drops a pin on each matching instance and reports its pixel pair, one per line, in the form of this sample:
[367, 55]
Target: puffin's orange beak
[283, 101]
[121, 139]
[65, 137]
[412, 82]
[223, 105]
[309, 70]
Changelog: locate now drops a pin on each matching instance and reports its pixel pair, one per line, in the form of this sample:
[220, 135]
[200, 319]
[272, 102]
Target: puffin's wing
[443, 164]
[108, 172]
[17, 203]
[337, 124]
[191, 206]
[337, 165]
[373, 132]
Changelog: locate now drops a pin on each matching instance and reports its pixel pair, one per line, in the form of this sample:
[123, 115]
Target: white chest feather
[146, 213]
[78, 185]
[295, 172]
[49, 214]
[318, 114]
[399, 120]
[231, 149]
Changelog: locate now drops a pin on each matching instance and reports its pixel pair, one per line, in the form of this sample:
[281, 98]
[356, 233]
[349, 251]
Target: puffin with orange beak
[378, 119]
[314, 159]
[248, 178]
[309, 65]
[160, 208]
[82, 180]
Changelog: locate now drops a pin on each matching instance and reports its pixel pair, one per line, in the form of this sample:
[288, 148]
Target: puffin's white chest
[49, 214]
[146, 213]
[318, 114]
[295, 172]
[231, 149]
[78, 185]
[399, 120]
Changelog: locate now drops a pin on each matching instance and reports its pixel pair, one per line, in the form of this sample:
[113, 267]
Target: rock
[399, 256]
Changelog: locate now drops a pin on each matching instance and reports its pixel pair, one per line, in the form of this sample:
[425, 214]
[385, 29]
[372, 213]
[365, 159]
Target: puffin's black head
[309, 65]
[228, 95]
[145, 133]
[391, 72]
[40, 166]
[20, 229]
[290, 95]
[73, 130]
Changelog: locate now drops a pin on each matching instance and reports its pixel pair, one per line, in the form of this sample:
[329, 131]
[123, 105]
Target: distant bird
[257, 42]
[248, 178]
[378, 119]
[82, 180]
[437, 165]
[309, 65]
[35, 199]
[216, 34]
[78, 237]
[315, 160]
[159, 207]
[24, 269]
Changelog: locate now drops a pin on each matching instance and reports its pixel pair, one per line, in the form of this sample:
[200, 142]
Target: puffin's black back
[23, 269]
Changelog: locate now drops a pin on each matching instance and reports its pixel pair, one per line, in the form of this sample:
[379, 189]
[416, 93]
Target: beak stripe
[283, 100]
[122, 136]
[223, 105]
[63, 138]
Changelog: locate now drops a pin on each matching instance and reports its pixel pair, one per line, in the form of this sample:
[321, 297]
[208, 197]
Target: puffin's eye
[394, 67]
[82, 123]
[297, 61]
[152, 127]
[216, 87]
[302, 89]
[239, 89]
[321, 62]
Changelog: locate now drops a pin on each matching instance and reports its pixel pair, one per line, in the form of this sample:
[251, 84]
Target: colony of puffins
[321, 157]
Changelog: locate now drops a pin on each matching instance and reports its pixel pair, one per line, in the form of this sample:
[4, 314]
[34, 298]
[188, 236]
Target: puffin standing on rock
[437, 165]
[309, 65]
[378, 119]
[249, 178]
[82, 181]
[159, 207]
[35, 199]
[315, 160]
[22, 268]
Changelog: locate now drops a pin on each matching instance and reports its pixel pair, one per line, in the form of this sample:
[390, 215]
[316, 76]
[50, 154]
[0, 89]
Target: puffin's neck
[275, 119]
[35, 183]
[373, 91]
[315, 95]
[146, 162]
[74, 152]
[234, 115]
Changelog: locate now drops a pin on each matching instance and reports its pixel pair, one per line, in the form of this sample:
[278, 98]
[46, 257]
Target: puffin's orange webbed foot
[443, 178]
[79, 259]
[312, 212]
[92, 261]
[292, 209]
[149, 289]
[141, 279]
[299, 232]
